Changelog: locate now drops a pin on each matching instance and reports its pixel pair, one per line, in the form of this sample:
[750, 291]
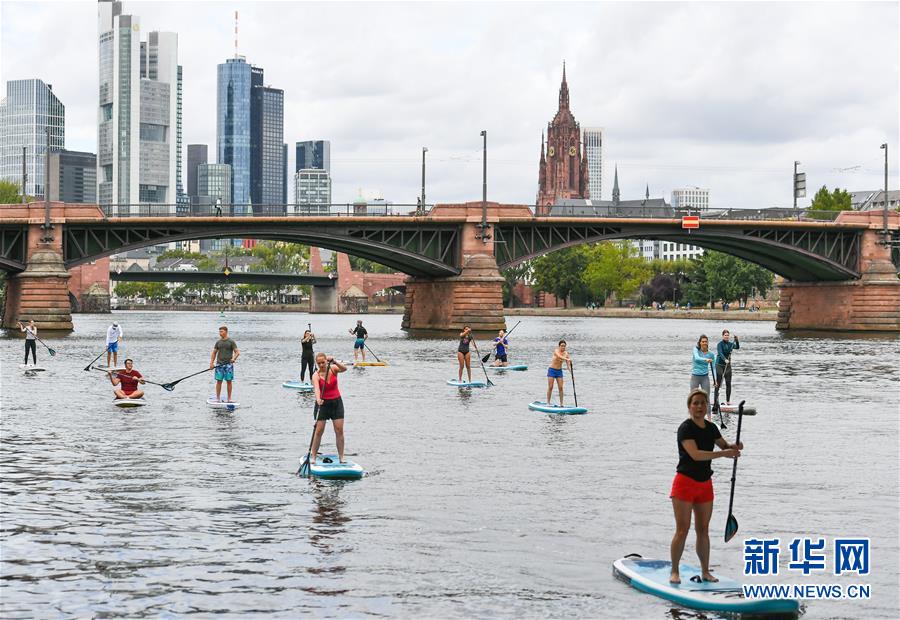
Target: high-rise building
[693, 198]
[284, 174]
[312, 191]
[267, 144]
[139, 112]
[28, 109]
[73, 176]
[214, 182]
[313, 154]
[563, 172]
[593, 146]
[233, 125]
[196, 154]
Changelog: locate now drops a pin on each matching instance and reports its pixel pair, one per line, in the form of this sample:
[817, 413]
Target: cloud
[720, 95]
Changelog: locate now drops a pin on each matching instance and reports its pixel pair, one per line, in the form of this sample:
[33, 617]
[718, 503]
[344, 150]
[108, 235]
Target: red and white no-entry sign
[690, 221]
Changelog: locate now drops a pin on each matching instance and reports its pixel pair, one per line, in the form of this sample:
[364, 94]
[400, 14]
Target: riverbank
[635, 313]
[242, 308]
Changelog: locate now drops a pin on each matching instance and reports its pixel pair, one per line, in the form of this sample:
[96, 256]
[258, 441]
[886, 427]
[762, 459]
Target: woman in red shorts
[692, 489]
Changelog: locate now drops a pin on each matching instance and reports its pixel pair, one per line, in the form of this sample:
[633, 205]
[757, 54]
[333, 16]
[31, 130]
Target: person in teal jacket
[702, 364]
[723, 357]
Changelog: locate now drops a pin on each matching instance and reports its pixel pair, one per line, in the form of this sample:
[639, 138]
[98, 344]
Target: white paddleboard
[217, 404]
[558, 409]
[128, 403]
[466, 384]
[733, 408]
[510, 367]
[725, 595]
[297, 385]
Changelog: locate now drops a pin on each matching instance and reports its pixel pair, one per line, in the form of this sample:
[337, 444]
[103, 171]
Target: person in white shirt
[113, 336]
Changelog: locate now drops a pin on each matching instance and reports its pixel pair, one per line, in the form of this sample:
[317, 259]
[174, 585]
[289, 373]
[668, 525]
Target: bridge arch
[800, 255]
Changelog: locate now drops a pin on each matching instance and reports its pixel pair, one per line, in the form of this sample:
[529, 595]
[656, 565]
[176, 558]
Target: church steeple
[564, 91]
[647, 195]
[543, 159]
[615, 193]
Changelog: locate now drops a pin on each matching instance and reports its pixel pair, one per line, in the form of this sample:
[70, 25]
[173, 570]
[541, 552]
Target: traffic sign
[690, 221]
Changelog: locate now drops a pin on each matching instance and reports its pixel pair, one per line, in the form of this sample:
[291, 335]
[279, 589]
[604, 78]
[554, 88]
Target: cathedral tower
[563, 171]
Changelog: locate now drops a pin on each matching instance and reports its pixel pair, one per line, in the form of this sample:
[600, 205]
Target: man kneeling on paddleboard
[692, 488]
[128, 379]
[329, 405]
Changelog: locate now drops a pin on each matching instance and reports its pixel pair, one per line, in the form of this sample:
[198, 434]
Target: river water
[473, 505]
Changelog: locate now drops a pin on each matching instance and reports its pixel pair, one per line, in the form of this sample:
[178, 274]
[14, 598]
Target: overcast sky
[718, 95]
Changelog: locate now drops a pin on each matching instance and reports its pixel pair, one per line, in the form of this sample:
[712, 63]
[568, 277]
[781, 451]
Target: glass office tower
[233, 125]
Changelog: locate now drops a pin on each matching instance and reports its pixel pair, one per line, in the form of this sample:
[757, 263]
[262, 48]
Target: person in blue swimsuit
[359, 345]
[501, 348]
[555, 371]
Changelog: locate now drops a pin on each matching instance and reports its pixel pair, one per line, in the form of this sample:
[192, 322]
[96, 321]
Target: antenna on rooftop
[236, 34]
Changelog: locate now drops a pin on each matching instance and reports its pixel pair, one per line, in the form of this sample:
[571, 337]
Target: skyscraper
[313, 154]
[233, 125]
[73, 176]
[267, 144]
[593, 146]
[284, 173]
[25, 113]
[196, 154]
[312, 191]
[139, 126]
[563, 172]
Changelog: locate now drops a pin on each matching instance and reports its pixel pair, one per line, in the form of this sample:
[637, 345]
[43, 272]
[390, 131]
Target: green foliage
[368, 266]
[10, 193]
[280, 257]
[560, 273]
[153, 291]
[522, 272]
[825, 204]
[180, 254]
[717, 276]
[614, 268]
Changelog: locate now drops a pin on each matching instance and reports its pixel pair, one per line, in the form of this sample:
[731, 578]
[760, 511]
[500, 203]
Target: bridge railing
[657, 212]
[268, 210]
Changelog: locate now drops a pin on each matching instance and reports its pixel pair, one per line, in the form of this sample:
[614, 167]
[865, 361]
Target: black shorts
[331, 410]
[502, 358]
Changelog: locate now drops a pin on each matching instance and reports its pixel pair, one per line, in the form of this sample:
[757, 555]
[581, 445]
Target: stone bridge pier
[869, 304]
[475, 296]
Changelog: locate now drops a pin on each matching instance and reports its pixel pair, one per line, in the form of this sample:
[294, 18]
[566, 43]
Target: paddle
[372, 352]
[171, 385]
[574, 391]
[489, 382]
[303, 472]
[731, 524]
[716, 406]
[89, 366]
[52, 351]
[488, 356]
[121, 375]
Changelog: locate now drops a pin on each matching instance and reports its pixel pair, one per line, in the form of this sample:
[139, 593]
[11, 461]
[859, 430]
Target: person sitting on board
[30, 340]
[113, 336]
[224, 354]
[703, 360]
[723, 356]
[501, 347]
[128, 379]
[692, 488]
[329, 405]
[555, 371]
[463, 355]
[307, 357]
[359, 345]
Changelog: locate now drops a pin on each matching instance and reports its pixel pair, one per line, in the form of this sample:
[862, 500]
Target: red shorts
[687, 489]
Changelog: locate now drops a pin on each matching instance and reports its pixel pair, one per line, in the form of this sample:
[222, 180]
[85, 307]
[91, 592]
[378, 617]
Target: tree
[511, 276]
[179, 254]
[368, 266]
[10, 193]
[614, 268]
[560, 273]
[825, 205]
[717, 276]
[662, 288]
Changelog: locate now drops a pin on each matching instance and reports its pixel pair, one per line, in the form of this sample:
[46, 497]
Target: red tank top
[330, 390]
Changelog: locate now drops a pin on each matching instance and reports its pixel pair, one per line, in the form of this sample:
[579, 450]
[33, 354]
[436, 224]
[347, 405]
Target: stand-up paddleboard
[31, 368]
[725, 595]
[128, 403]
[731, 408]
[327, 466]
[369, 364]
[551, 408]
[466, 384]
[110, 368]
[297, 385]
[218, 404]
[510, 367]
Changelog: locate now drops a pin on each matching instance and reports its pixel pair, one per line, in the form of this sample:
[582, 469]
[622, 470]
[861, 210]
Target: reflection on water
[473, 506]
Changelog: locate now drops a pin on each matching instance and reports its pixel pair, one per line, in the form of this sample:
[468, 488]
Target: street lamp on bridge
[421, 209]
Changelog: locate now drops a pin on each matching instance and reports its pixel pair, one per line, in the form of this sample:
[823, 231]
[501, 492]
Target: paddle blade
[51, 351]
[731, 527]
[485, 358]
[303, 472]
[168, 387]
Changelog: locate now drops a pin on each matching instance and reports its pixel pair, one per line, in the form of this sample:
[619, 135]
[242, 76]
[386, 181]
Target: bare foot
[674, 579]
[709, 577]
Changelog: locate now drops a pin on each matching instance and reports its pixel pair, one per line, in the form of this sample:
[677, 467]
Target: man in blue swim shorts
[224, 354]
[113, 336]
[555, 371]
[359, 345]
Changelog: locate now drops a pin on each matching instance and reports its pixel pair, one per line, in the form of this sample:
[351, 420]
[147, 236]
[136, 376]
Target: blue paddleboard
[726, 595]
[297, 385]
[464, 384]
[327, 466]
[218, 404]
[550, 408]
[510, 367]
